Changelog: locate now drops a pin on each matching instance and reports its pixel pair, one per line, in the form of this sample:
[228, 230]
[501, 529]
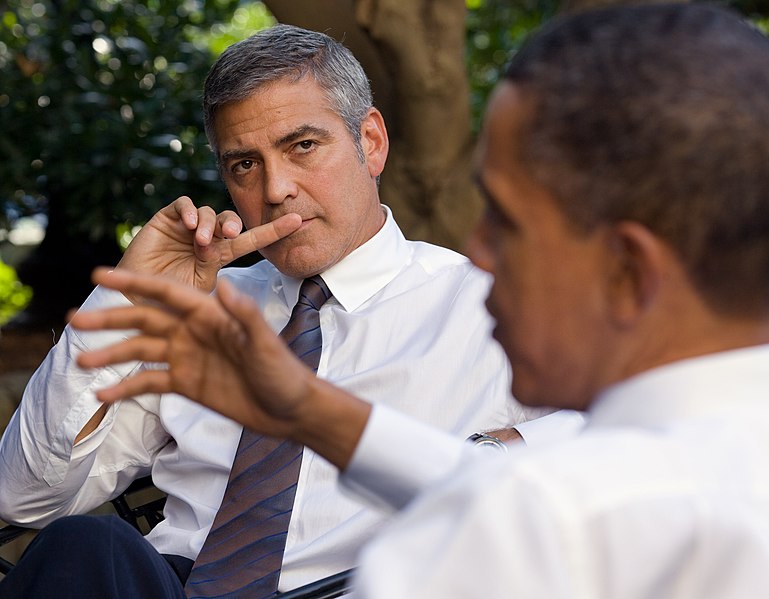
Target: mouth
[303, 228]
[305, 223]
[496, 331]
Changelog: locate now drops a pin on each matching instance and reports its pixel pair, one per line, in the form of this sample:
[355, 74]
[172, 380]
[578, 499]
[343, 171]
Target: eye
[242, 167]
[305, 146]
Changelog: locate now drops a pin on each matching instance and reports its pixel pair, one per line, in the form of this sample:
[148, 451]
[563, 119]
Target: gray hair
[288, 52]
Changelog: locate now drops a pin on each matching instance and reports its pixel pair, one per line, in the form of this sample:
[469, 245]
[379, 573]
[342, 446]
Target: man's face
[285, 150]
[548, 293]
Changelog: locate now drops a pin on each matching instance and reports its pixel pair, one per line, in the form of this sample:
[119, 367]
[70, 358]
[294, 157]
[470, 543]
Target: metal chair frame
[330, 587]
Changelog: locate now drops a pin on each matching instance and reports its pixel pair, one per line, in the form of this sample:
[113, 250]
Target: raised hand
[191, 244]
[219, 351]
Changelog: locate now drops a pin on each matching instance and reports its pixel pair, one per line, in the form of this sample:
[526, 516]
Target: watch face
[487, 441]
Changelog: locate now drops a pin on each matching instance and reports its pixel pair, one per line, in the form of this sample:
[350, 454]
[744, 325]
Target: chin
[298, 267]
[530, 400]
[527, 392]
[297, 271]
[538, 396]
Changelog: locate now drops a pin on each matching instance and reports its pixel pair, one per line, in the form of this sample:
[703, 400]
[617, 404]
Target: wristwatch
[485, 440]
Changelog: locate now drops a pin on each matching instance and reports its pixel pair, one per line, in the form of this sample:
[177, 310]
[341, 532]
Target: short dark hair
[289, 52]
[659, 114]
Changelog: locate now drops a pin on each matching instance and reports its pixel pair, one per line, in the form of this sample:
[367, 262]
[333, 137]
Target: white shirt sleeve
[44, 476]
[398, 456]
[552, 427]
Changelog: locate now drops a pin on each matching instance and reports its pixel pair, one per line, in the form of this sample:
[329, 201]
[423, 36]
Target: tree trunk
[413, 52]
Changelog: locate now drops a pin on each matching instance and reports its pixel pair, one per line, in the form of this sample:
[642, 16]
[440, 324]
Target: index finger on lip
[258, 237]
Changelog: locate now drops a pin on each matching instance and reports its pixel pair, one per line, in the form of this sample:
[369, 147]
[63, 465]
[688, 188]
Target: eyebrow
[302, 131]
[290, 137]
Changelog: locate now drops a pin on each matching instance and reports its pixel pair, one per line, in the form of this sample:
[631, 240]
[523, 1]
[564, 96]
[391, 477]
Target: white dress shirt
[665, 494]
[406, 327]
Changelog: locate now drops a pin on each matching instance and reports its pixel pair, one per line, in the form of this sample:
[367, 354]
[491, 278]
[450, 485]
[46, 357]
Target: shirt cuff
[397, 457]
[551, 428]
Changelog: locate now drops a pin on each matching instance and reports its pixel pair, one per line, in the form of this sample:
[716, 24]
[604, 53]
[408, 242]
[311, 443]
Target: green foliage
[13, 295]
[754, 9]
[100, 106]
[245, 21]
[495, 29]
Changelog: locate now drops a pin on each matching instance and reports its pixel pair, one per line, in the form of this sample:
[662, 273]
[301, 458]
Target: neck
[692, 337]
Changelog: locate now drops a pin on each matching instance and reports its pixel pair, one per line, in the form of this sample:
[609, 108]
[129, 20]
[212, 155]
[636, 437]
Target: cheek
[249, 209]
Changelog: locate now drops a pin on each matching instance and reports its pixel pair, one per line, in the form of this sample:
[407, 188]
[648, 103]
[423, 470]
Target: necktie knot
[302, 333]
[314, 292]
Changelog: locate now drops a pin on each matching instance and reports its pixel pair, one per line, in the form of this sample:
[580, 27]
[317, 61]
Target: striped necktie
[243, 553]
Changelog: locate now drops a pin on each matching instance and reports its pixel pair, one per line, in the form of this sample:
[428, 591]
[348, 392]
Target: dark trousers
[94, 557]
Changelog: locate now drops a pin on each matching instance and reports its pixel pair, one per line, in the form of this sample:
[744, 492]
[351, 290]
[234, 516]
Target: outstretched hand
[191, 244]
[219, 351]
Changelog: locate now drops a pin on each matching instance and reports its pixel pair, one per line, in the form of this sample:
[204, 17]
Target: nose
[279, 184]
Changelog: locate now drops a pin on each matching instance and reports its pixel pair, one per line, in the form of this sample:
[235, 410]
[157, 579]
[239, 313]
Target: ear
[638, 263]
[374, 141]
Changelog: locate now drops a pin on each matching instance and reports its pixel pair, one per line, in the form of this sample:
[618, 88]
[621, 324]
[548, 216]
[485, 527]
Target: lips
[268, 217]
[292, 237]
[273, 216]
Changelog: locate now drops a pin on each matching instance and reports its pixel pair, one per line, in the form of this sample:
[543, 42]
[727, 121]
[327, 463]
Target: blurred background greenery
[100, 124]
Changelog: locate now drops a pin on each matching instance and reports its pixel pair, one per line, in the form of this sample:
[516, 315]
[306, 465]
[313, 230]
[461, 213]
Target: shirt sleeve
[551, 428]
[397, 457]
[44, 475]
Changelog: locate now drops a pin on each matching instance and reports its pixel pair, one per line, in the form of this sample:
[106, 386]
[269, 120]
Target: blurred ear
[374, 141]
[638, 267]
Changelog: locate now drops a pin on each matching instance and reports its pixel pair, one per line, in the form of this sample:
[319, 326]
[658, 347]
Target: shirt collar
[705, 386]
[364, 271]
